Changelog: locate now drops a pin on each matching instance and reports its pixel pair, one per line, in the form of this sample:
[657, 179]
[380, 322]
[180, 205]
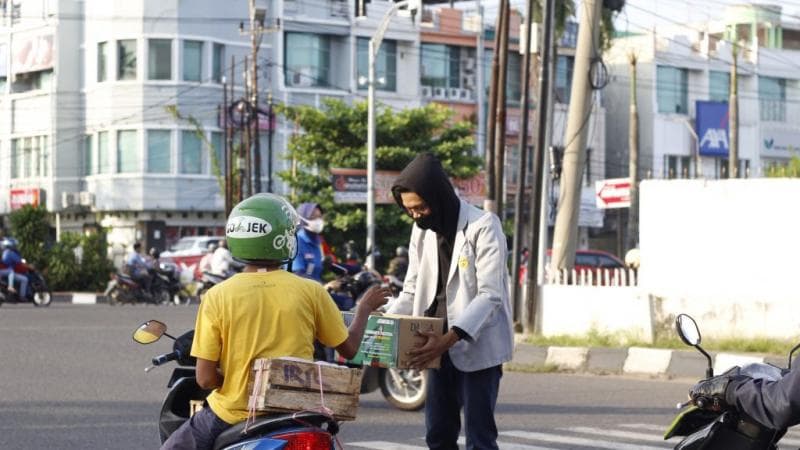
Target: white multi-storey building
[682, 65]
[95, 96]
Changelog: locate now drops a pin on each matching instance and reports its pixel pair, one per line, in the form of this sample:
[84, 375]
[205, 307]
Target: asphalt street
[72, 377]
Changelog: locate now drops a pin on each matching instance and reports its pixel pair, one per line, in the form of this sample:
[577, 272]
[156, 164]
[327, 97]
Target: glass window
[159, 151]
[218, 63]
[513, 82]
[192, 60]
[103, 158]
[564, 66]
[36, 157]
[159, 59]
[454, 66]
[16, 161]
[385, 65]
[45, 156]
[102, 61]
[88, 160]
[127, 154]
[191, 152]
[673, 92]
[126, 59]
[719, 86]
[26, 158]
[434, 65]
[772, 98]
[308, 59]
[219, 151]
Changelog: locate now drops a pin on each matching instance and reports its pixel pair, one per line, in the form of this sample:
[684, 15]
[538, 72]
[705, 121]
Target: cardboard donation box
[389, 337]
[292, 384]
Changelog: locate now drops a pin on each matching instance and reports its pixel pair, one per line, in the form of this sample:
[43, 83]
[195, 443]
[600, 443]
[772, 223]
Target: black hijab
[425, 176]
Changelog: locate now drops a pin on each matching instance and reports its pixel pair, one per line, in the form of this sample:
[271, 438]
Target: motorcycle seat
[270, 423]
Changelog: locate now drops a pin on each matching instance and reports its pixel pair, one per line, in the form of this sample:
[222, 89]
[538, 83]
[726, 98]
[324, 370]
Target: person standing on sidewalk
[457, 271]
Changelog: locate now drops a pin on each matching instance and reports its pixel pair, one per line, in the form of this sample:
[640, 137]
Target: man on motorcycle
[263, 312]
[309, 242]
[138, 268]
[205, 262]
[11, 259]
[222, 262]
[774, 404]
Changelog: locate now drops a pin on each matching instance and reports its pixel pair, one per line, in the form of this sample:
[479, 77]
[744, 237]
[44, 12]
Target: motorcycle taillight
[306, 440]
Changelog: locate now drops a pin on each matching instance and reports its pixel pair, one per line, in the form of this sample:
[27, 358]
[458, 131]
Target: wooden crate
[289, 385]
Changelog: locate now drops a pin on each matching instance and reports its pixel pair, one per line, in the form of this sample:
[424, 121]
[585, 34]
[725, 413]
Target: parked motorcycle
[402, 388]
[37, 293]
[280, 431]
[727, 429]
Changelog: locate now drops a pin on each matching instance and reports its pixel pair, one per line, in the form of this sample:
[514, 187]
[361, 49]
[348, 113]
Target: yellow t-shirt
[261, 315]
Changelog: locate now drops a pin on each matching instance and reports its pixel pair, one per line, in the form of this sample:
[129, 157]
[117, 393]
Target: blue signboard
[712, 128]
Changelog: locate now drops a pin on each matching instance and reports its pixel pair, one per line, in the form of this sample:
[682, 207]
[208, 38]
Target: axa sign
[711, 124]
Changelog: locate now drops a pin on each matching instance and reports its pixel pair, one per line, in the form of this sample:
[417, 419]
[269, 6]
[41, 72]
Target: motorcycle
[403, 388]
[280, 431]
[124, 289]
[727, 429]
[178, 283]
[37, 293]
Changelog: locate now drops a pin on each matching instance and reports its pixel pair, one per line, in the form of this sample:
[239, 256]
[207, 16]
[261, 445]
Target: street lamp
[374, 46]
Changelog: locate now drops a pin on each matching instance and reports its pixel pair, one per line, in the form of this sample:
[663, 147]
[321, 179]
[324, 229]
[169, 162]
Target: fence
[593, 277]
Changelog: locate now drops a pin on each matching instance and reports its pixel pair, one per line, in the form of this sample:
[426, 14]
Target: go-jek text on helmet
[262, 228]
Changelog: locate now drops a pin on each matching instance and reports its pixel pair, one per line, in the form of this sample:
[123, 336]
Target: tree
[31, 229]
[788, 170]
[335, 137]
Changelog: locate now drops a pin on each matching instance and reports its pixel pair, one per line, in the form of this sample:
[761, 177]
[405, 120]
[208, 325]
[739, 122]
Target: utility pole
[566, 230]
[479, 90]
[633, 161]
[542, 135]
[522, 163]
[247, 122]
[733, 117]
[500, 119]
[489, 203]
[269, 142]
[229, 144]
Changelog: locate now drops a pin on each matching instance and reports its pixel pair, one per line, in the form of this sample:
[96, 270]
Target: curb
[654, 362]
[79, 298]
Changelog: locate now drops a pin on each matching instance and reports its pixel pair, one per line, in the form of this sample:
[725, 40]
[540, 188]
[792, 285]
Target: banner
[780, 142]
[711, 124]
[32, 54]
[19, 197]
[350, 186]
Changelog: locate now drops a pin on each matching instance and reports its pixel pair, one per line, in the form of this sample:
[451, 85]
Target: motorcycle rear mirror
[150, 331]
[688, 330]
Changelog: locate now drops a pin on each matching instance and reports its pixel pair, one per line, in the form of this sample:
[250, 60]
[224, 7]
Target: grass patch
[619, 340]
[531, 368]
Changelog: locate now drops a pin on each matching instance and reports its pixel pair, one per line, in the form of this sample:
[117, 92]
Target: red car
[586, 260]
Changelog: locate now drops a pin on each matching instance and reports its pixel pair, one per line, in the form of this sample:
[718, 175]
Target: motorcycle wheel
[163, 297]
[113, 297]
[404, 388]
[42, 298]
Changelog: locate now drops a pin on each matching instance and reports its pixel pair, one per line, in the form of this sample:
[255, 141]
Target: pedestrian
[263, 312]
[457, 271]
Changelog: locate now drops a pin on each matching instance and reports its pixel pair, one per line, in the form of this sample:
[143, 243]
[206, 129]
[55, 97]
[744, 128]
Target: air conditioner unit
[469, 64]
[439, 92]
[466, 94]
[453, 93]
[69, 199]
[469, 81]
[427, 91]
[86, 198]
[302, 77]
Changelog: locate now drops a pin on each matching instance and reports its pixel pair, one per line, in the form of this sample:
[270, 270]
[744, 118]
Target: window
[159, 151]
[127, 155]
[35, 157]
[192, 60]
[16, 158]
[32, 81]
[565, 65]
[772, 98]
[102, 61]
[308, 60]
[45, 157]
[88, 160]
[719, 86]
[436, 66]
[513, 82]
[219, 151]
[218, 63]
[126, 59]
[385, 65]
[159, 59]
[191, 152]
[672, 87]
[26, 158]
[103, 159]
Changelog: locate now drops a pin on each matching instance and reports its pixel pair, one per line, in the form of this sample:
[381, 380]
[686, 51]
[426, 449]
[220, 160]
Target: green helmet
[262, 227]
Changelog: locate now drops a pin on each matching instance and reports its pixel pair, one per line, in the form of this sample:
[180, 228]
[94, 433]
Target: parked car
[189, 250]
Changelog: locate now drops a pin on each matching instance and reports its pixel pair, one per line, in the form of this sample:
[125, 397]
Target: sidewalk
[654, 362]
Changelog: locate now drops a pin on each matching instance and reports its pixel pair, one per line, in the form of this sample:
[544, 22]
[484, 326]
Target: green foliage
[335, 137]
[788, 170]
[30, 227]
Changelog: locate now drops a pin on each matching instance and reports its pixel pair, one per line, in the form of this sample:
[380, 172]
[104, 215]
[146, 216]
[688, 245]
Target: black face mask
[426, 222]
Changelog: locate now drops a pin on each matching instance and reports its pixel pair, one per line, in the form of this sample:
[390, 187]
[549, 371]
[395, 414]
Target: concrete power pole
[256, 32]
[489, 203]
[500, 118]
[733, 117]
[566, 229]
[633, 162]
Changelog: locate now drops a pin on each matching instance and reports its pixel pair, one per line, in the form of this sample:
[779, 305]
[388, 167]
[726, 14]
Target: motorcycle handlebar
[161, 359]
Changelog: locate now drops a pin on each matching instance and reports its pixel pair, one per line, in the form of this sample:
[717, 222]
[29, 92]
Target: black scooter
[37, 293]
[727, 429]
[306, 430]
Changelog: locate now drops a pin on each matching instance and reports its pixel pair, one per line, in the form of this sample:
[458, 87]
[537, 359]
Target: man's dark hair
[137, 246]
